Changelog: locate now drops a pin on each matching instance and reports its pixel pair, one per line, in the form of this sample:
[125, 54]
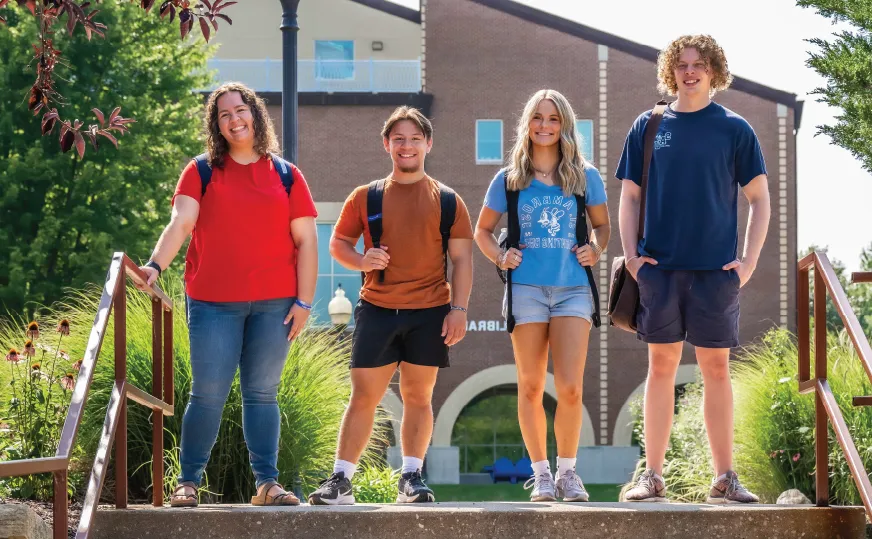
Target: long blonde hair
[570, 170]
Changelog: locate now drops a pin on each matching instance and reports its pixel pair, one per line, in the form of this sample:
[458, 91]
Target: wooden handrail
[861, 277]
[112, 301]
[826, 408]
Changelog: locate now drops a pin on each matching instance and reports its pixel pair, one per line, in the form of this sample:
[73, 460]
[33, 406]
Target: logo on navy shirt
[662, 140]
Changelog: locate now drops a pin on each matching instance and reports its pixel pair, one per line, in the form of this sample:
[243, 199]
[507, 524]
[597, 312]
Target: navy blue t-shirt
[700, 160]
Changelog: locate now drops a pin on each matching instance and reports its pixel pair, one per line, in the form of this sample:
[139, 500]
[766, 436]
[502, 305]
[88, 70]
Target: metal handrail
[826, 407]
[114, 301]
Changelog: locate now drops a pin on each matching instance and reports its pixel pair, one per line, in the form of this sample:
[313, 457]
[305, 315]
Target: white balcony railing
[323, 75]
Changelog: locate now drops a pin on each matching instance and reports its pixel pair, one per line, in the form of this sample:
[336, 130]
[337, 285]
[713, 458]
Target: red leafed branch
[46, 58]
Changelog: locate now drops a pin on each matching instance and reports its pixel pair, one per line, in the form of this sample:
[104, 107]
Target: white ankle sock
[724, 476]
[541, 467]
[348, 468]
[411, 464]
[565, 466]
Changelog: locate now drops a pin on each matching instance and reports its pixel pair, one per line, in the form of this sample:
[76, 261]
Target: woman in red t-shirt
[250, 275]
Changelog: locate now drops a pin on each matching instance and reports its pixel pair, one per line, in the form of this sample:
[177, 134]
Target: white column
[603, 128]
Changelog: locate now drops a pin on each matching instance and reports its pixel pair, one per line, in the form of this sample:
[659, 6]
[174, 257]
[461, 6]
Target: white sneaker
[570, 488]
[543, 486]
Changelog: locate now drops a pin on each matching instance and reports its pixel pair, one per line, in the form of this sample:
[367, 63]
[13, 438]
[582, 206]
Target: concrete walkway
[501, 520]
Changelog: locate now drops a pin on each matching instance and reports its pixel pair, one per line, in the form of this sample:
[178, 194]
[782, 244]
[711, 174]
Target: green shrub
[774, 425]
[375, 483]
[314, 390]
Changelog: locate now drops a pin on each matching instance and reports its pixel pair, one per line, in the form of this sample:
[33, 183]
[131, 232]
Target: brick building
[471, 65]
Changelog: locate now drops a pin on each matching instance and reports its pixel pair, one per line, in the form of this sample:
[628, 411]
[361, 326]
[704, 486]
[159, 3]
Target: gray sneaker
[543, 487]
[729, 490]
[570, 488]
[649, 488]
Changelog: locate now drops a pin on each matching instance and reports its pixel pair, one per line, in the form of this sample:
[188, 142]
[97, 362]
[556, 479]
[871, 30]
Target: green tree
[61, 217]
[846, 62]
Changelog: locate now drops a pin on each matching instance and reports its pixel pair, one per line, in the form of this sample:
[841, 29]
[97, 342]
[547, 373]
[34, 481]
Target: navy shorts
[700, 307]
[388, 336]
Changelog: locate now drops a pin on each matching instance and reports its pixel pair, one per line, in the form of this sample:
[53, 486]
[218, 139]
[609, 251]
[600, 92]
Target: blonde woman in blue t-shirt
[551, 300]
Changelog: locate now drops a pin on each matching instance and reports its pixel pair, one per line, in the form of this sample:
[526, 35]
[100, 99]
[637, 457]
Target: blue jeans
[250, 336]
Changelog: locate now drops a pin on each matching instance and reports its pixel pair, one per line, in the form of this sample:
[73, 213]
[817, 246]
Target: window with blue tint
[334, 60]
[585, 131]
[488, 142]
[331, 275]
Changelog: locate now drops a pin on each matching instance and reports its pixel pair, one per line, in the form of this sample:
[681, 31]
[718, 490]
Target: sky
[764, 41]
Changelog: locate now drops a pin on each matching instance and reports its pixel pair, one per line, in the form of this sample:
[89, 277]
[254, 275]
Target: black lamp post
[289, 79]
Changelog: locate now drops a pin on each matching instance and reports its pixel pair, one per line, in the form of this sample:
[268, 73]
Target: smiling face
[407, 146]
[235, 121]
[545, 124]
[692, 76]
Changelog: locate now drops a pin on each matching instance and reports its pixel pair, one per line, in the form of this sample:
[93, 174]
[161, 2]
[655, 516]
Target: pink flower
[796, 457]
[32, 330]
[29, 349]
[68, 382]
[12, 356]
[64, 355]
[77, 365]
[773, 454]
[64, 327]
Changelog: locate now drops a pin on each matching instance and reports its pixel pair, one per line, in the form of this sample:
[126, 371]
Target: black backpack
[282, 167]
[513, 239]
[375, 195]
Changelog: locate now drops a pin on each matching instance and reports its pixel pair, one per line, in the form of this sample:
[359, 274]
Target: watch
[155, 265]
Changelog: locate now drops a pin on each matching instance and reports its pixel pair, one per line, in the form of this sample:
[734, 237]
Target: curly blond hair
[265, 140]
[710, 52]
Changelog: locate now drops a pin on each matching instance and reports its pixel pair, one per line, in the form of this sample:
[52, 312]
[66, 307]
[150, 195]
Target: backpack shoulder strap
[285, 170]
[205, 170]
[448, 207]
[513, 224]
[374, 197]
[582, 238]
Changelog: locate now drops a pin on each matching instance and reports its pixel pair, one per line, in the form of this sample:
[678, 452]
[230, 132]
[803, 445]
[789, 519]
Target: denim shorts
[532, 304]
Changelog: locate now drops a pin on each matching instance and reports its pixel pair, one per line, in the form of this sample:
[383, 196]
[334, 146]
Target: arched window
[488, 429]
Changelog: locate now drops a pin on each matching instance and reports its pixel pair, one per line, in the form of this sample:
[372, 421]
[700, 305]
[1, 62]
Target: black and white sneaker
[335, 490]
[413, 490]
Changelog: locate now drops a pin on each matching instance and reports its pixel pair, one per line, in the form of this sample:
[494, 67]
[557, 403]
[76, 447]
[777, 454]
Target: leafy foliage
[47, 58]
[845, 60]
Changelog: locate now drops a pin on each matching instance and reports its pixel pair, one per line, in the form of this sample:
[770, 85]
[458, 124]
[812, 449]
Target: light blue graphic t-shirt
[547, 218]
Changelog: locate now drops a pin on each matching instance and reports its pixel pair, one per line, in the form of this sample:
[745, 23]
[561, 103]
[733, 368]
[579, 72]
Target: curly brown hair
[265, 140]
[710, 52]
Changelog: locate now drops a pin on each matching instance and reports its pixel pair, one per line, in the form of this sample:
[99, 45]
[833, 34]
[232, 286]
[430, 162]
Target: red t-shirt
[241, 248]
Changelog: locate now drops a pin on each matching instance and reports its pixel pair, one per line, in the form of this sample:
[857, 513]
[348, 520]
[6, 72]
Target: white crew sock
[348, 468]
[724, 476]
[565, 466]
[541, 468]
[412, 464]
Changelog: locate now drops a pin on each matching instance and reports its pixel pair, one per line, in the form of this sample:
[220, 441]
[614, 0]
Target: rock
[21, 522]
[793, 497]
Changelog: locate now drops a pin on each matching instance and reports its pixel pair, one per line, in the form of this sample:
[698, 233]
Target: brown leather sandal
[181, 499]
[264, 498]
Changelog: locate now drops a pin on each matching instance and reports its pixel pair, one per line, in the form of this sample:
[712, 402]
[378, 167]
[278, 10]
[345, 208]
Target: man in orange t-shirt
[408, 314]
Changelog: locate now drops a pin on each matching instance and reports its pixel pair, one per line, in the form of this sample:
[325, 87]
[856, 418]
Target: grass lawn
[507, 492]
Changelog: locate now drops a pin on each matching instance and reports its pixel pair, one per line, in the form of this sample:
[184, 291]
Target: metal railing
[826, 407]
[376, 76]
[160, 400]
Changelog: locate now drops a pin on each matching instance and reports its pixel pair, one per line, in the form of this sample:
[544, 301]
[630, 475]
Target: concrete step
[502, 520]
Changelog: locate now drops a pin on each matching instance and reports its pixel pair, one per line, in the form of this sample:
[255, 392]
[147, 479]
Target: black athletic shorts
[388, 336]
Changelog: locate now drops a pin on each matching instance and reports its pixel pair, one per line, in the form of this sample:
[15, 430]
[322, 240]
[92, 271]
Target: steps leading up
[501, 520]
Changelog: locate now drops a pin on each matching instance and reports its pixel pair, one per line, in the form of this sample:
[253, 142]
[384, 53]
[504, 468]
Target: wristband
[458, 308]
[302, 304]
[154, 265]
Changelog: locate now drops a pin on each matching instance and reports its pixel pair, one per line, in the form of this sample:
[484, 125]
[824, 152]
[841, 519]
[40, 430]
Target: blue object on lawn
[524, 469]
[503, 470]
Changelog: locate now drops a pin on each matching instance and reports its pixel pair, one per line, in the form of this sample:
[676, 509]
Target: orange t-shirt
[415, 275]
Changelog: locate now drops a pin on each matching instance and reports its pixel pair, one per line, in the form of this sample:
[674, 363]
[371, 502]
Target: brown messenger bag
[624, 290]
